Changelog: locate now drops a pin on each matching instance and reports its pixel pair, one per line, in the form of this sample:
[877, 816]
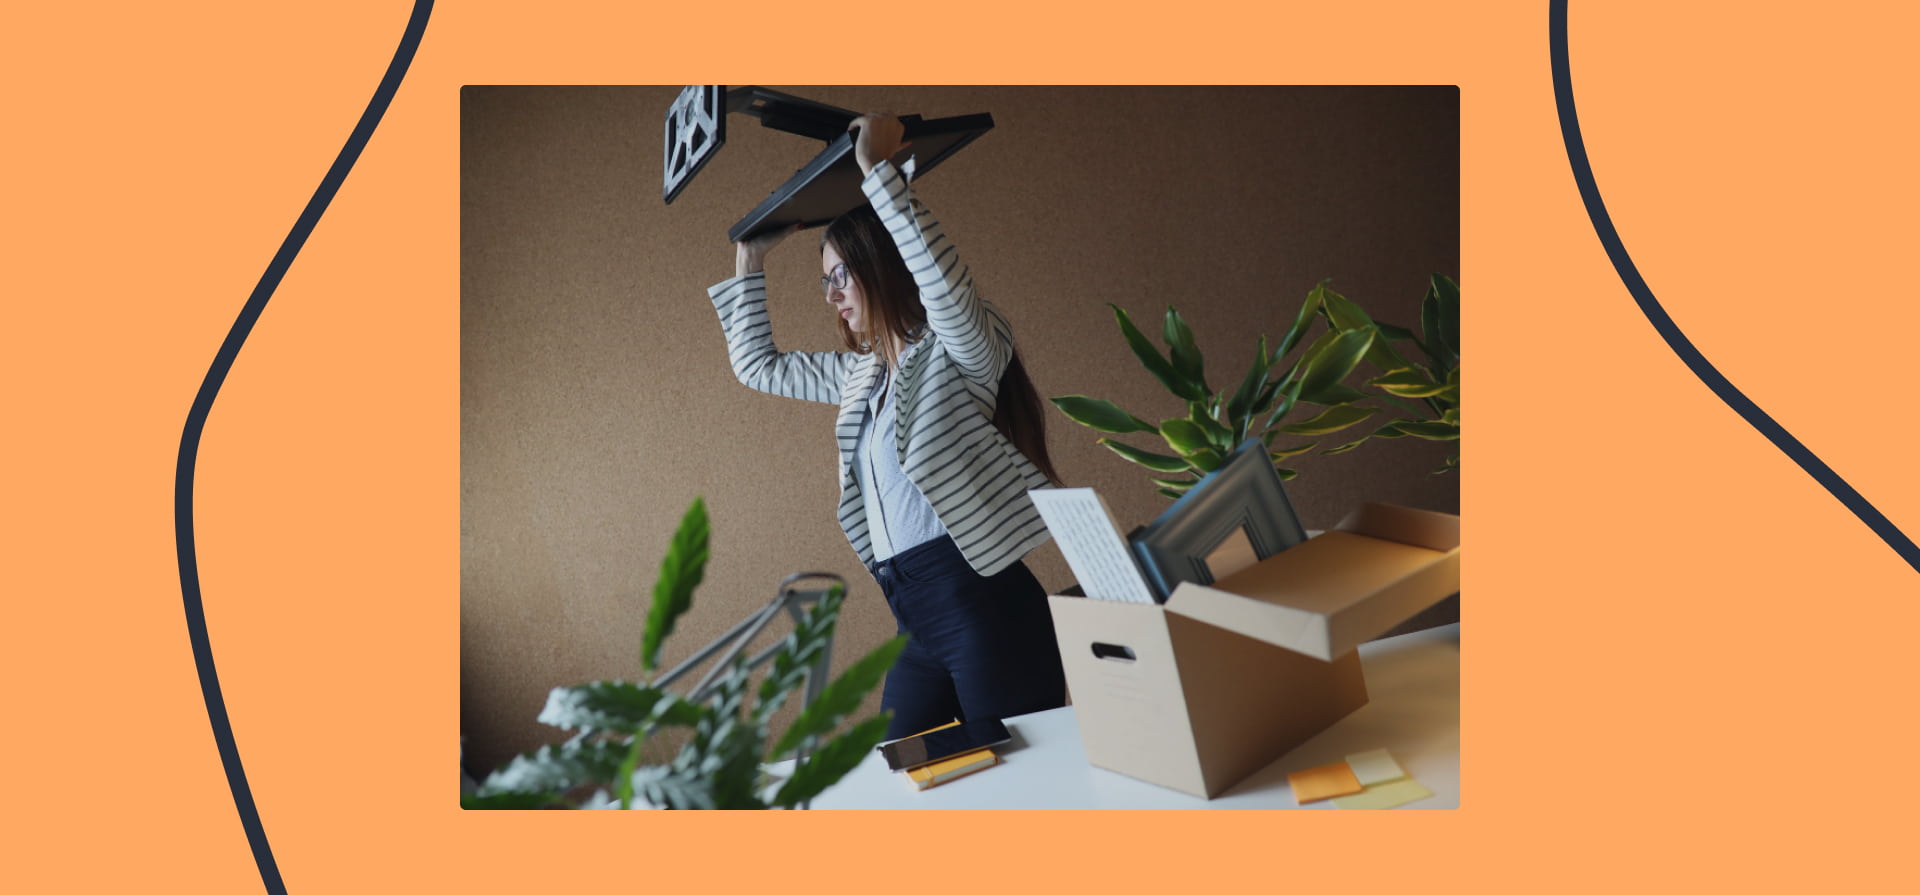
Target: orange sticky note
[1323, 782]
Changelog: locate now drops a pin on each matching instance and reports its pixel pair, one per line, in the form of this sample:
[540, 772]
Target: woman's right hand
[750, 255]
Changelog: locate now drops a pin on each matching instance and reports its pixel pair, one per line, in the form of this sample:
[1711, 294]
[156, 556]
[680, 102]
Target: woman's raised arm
[741, 303]
[972, 332]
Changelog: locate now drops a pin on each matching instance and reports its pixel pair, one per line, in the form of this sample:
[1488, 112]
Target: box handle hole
[1112, 651]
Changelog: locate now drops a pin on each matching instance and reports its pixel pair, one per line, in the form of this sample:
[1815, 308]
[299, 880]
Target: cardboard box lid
[1331, 593]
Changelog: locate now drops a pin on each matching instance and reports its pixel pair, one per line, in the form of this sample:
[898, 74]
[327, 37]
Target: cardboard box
[1329, 594]
[1188, 705]
[1219, 681]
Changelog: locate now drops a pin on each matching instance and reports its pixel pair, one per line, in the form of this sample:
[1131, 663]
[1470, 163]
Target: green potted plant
[722, 763]
[1425, 395]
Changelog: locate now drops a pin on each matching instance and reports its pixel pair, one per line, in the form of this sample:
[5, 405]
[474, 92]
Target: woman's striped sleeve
[808, 375]
[971, 331]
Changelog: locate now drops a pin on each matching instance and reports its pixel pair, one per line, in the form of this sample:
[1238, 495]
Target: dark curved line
[196, 423]
[1677, 340]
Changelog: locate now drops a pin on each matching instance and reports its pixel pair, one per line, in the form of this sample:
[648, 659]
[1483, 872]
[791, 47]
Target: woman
[940, 433]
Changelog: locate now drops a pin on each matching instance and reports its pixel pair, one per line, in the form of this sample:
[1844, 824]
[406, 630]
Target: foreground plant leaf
[840, 698]
[557, 768]
[833, 761]
[680, 572]
[603, 705]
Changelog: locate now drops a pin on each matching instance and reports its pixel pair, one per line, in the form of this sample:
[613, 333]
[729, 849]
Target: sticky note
[1374, 767]
[1391, 794]
[1325, 781]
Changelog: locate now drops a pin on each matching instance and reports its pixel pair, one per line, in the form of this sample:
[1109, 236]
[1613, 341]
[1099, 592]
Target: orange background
[1671, 622]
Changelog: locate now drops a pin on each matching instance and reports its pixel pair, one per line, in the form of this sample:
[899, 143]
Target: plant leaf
[608, 705]
[1315, 347]
[1289, 397]
[1186, 355]
[1408, 382]
[1431, 430]
[1341, 311]
[1395, 333]
[1449, 294]
[1326, 367]
[1183, 435]
[623, 778]
[1301, 322]
[791, 664]
[1333, 419]
[1284, 453]
[1346, 315]
[834, 760]
[1430, 326]
[1206, 459]
[680, 572]
[1104, 416]
[557, 768]
[1240, 408]
[1285, 473]
[1219, 437]
[1169, 493]
[1173, 484]
[840, 698]
[669, 787]
[1150, 357]
[1264, 402]
[1334, 394]
[1348, 446]
[1149, 459]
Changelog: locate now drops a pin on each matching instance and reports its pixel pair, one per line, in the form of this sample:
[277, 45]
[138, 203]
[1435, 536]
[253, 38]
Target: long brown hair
[893, 307]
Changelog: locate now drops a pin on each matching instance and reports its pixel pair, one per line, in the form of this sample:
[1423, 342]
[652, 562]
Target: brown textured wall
[596, 400]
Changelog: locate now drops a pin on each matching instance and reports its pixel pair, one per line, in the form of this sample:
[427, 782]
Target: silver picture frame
[1243, 495]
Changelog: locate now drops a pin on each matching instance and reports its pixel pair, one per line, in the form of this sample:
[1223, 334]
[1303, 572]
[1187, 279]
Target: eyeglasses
[838, 279]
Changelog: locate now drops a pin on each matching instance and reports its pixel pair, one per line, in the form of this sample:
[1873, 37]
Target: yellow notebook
[958, 766]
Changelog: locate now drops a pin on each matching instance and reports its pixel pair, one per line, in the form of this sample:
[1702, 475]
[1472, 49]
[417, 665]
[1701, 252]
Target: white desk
[1413, 711]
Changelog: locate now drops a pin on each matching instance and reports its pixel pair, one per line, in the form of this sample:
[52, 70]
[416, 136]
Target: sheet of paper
[1391, 794]
[1083, 527]
[1374, 767]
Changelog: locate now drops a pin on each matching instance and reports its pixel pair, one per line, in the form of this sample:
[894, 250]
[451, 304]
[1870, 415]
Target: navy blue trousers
[978, 647]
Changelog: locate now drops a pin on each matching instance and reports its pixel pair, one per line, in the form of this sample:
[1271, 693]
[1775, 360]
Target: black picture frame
[694, 130]
[1244, 494]
[829, 186]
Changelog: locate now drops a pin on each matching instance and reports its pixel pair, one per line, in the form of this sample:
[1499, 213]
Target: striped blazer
[974, 478]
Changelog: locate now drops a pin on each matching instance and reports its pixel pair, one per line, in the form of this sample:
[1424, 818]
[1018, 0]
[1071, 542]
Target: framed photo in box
[1236, 516]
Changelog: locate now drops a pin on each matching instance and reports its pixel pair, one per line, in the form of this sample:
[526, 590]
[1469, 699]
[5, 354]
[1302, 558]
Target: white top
[898, 515]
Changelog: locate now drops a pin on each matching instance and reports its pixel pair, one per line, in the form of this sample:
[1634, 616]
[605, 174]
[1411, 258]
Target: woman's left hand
[877, 137]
